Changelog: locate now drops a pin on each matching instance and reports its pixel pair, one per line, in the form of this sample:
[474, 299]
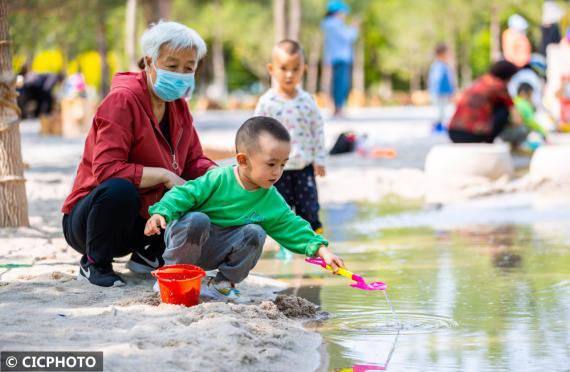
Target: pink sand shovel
[360, 283]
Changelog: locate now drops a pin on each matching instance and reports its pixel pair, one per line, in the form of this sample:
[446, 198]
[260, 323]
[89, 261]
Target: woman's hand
[153, 225]
[330, 258]
[153, 176]
[171, 179]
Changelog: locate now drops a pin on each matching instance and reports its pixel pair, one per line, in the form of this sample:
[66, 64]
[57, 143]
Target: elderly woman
[141, 143]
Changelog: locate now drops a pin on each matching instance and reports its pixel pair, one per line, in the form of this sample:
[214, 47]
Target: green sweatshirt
[527, 112]
[219, 195]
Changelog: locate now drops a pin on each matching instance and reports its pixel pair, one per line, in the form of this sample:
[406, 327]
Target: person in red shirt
[485, 108]
[141, 143]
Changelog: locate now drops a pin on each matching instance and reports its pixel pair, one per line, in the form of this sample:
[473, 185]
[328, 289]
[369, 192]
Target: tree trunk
[466, 71]
[164, 7]
[13, 202]
[415, 75]
[102, 49]
[495, 33]
[326, 78]
[155, 10]
[295, 19]
[219, 68]
[313, 65]
[415, 78]
[358, 67]
[279, 19]
[130, 35]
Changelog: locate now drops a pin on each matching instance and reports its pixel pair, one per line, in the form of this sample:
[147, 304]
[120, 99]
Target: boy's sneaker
[101, 275]
[223, 290]
[143, 262]
[283, 254]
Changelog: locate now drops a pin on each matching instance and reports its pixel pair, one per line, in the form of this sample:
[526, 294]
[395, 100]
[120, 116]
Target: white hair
[174, 34]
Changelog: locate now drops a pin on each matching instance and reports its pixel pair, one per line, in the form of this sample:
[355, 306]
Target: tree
[130, 34]
[155, 10]
[102, 49]
[13, 202]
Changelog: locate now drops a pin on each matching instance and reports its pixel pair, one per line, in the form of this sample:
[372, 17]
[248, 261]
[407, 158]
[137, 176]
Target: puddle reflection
[469, 298]
[375, 366]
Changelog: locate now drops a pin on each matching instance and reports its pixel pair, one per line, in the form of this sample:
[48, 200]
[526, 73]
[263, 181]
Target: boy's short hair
[247, 137]
[440, 49]
[503, 70]
[525, 88]
[291, 47]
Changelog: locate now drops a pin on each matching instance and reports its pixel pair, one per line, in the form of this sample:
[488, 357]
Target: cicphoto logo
[51, 361]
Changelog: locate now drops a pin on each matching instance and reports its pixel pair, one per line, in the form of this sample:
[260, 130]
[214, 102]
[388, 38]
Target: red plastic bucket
[179, 284]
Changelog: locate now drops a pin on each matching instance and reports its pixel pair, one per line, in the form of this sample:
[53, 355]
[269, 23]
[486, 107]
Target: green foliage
[398, 36]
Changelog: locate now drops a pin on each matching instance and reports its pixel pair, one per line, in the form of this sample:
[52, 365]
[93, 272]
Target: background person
[298, 112]
[142, 142]
[485, 108]
[441, 84]
[338, 51]
[551, 16]
[523, 102]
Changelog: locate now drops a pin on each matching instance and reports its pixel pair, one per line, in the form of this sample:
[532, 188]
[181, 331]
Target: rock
[452, 168]
[550, 164]
[559, 138]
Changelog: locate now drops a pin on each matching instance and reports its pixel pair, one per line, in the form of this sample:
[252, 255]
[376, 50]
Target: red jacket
[125, 137]
[474, 111]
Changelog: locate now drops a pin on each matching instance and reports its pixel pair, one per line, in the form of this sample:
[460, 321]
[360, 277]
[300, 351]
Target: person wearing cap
[338, 53]
[485, 109]
[141, 143]
[516, 47]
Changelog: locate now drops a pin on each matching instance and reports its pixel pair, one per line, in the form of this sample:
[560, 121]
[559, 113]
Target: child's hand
[330, 258]
[319, 171]
[152, 225]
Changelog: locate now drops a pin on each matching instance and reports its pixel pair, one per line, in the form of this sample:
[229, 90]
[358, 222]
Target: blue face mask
[170, 86]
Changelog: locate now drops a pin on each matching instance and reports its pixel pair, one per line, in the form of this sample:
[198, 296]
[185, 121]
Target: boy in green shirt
[220, 220]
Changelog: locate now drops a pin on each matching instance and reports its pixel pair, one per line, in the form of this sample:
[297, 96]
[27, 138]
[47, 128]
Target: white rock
[452, 169]
[550, 164]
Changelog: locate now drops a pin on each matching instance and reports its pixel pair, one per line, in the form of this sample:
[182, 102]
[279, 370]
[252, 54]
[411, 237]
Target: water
[469, 296]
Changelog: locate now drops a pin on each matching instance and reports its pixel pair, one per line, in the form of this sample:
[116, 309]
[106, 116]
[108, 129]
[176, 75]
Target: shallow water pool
[469, 297]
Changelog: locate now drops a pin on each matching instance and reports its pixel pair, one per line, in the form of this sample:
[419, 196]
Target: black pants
[299, 190]
[500, 122]
[106, 223]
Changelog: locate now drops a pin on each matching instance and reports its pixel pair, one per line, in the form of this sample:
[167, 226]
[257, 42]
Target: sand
[43, 307]
[53, 311]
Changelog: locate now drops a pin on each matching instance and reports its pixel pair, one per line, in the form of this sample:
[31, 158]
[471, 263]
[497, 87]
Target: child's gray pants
[233, 250]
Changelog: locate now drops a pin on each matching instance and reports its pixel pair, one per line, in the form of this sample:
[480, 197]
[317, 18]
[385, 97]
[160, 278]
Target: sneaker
[143, 262]
[223, 290]
[101, 275]
[283, 254]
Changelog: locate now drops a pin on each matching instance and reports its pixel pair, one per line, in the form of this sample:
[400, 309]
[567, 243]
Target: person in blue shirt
[441, 84]
[338, 53]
